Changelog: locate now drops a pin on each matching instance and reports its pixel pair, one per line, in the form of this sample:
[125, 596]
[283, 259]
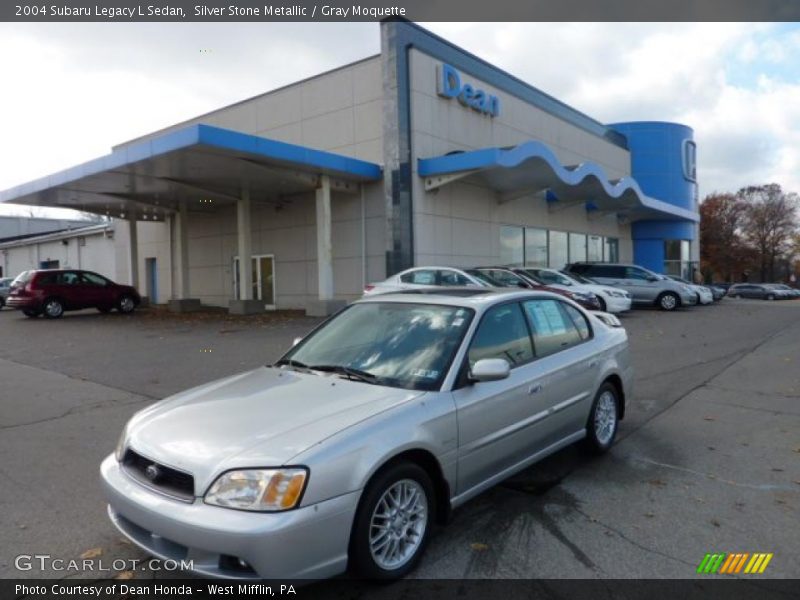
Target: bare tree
[769, 223]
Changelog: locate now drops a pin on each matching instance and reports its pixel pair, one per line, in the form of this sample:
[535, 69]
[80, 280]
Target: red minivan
[51, 292]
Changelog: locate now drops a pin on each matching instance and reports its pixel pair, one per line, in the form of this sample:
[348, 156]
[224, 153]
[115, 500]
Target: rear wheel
[668, 301]
[393, 523]
[53, 308]
[126, 304]
[601, 429]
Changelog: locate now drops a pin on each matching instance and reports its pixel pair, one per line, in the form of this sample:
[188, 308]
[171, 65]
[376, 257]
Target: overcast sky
[71, 91]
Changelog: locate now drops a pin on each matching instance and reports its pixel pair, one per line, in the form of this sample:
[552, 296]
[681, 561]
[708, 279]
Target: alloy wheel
[398, 524]
[126, 304]
[53, 309]
[605, 418]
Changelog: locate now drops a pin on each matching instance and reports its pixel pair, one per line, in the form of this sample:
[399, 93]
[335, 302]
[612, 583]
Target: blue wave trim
[534, 152]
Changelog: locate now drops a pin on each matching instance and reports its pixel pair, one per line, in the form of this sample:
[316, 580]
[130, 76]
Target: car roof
[459, 296]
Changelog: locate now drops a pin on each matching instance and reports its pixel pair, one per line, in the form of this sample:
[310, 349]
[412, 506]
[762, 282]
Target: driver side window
[633, 273]
[502, 333]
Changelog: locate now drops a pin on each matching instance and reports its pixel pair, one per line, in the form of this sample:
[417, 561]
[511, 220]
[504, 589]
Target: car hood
[261, 418]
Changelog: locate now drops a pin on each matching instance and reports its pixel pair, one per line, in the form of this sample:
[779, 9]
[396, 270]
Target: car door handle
[535, 388]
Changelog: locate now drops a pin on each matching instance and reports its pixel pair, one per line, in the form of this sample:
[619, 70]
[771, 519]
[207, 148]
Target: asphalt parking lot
[708, 458]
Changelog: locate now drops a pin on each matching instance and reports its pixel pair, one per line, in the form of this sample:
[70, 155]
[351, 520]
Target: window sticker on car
[458, 322]
[425, 373]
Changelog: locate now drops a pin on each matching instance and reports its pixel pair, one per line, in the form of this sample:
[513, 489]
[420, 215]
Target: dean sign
[449, 85]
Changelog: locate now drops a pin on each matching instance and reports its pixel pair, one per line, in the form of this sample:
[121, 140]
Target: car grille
[159, 477]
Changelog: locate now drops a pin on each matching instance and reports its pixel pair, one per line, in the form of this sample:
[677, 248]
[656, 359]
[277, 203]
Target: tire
[126, 304]
[415, 527]
[53, 308]
[602, 303]
[30, 313]
[668, 301]
[601, 428]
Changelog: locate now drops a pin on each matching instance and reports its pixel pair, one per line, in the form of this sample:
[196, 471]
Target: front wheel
[126, 304]
[393, 523]
[668, 301]
[601, 429]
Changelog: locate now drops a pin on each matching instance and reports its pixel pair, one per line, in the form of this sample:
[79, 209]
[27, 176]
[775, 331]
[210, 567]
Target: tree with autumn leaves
[750, 235]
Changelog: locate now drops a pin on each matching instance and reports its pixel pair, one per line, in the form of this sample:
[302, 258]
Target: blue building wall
[658, 163]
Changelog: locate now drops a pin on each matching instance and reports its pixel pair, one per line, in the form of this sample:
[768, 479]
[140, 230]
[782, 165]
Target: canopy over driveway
[202, 168]
[532, 168]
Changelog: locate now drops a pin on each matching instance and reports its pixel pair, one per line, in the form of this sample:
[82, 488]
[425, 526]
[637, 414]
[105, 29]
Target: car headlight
[608, 319]
[119, 451]
[258, 489]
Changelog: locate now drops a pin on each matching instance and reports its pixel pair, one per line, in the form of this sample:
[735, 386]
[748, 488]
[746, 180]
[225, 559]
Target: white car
[704, 294]
[612, 300]
[420, 278]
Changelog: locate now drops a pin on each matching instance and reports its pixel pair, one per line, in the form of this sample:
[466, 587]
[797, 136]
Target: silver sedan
[369, 431]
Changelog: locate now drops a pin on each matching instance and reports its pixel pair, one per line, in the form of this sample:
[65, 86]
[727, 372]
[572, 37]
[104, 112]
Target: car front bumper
[689, 299]
[306, 543]
[615, 304]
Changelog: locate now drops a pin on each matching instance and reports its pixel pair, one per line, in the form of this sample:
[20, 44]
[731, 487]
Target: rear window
[23, 278]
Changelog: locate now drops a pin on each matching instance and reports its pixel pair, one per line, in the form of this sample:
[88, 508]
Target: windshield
[404, 345]
[483, 278]
[582, 279]
[552, 277]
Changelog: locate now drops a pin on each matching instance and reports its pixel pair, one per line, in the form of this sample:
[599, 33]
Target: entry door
[151, 279]
[263, 274]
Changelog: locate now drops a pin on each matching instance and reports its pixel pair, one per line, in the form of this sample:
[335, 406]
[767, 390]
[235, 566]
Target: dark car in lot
[509, 277]
[759, 291]
[51, 292]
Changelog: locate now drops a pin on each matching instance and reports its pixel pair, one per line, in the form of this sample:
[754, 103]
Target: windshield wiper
[290, 362]
[350, 372]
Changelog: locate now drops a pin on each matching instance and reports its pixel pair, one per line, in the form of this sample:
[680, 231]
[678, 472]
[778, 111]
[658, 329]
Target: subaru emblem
[152, 472]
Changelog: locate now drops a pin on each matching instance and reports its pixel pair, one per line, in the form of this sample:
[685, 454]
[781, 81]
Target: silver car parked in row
[370, 430]
[644, 286]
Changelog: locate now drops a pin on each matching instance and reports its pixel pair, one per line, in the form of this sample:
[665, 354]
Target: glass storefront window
[611, 253]
[535, 247]
[594, 248]
[577, 247]
[511, 246]
[558, 250]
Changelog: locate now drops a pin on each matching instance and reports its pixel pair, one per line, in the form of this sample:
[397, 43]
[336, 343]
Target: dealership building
[421, 155]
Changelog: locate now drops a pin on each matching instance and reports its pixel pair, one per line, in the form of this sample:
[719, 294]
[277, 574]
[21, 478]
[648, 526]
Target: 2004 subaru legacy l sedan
[365, 434]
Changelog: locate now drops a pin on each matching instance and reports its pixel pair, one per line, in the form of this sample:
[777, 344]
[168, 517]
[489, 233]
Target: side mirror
[490, 369]
[296, 341]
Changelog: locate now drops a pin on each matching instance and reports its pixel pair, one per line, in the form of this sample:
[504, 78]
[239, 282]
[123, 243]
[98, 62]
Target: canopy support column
[183, 303]
[245, 304]
[325, 303]
[133, 255]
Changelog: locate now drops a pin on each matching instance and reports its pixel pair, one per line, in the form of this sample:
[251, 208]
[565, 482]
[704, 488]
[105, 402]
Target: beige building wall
[338, 111]
[460, 223]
